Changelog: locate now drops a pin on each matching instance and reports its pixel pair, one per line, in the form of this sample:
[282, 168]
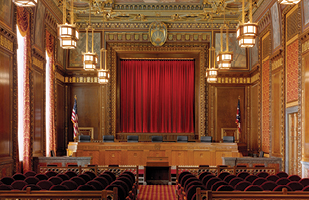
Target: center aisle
[156, 192]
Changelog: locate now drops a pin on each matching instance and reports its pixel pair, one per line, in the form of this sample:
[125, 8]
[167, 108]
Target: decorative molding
[144, 37]
[255, 77]
[234, 80]
[172, 48]
[292, 23]
[291, 104]
[54, 9]
[81, 79]
[38, 63]
[59, 77]
[6, 43]
[305, 46]
[266, 45]
[264, 22]
[276, 64]
[114, 26]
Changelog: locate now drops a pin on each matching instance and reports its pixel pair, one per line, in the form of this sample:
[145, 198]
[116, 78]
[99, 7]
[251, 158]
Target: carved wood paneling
[61, 137]
[225, 111]
[38, 98]
[255, 136]
[277, 113]
[293, 162]
[292, 23]
[88, 106]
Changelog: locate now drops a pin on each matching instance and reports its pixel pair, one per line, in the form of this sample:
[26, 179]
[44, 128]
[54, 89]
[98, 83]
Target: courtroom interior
[154, 87]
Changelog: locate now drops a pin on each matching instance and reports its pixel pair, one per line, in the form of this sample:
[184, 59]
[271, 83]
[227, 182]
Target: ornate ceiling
[195, 11]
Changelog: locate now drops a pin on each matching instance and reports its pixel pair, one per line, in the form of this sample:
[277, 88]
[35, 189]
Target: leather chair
[132, 138]
[206, 139]
[108, 138]
[84, 138]
[182, 138]
[157, 138]
[228, 139]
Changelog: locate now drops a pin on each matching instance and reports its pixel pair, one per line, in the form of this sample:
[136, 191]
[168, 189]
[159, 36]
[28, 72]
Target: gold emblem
[158, 33]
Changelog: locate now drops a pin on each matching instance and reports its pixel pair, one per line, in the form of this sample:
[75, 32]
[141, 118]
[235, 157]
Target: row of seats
[241, 182]
[70, 180]
[134, 138]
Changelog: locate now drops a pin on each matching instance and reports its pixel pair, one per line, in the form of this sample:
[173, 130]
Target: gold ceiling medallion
[157, 33]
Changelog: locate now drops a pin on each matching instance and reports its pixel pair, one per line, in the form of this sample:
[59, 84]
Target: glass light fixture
[103, 74]
[246, 32]
[68, 33]
[289, 2]
[90, 59]
[225, 58]
[25, 3]
[212, 71]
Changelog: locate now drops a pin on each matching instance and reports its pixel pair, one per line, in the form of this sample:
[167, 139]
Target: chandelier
[289, 2]
[212, 71]
[103, 74]
[90, 59]
[25, 3]
[68, 33]
[246, 32]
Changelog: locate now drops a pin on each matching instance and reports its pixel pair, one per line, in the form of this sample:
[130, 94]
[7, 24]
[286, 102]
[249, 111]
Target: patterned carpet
[156, 192]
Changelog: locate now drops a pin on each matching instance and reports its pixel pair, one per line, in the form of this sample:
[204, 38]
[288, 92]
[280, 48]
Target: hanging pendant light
[90, 59]
[68, 33]
[103, 74]
[247, 32]
[212, 71]
[25, 3]
[225, 58]
[289, 2]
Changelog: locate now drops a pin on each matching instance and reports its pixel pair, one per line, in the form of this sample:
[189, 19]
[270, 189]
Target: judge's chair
[84, 138]
[108, 138]
[132, 138]
[182, 138]
[156, 138]
[206, 139]
[228, 139]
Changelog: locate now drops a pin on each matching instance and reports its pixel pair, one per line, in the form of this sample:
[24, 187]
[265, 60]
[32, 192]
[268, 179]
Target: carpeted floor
[156, 192]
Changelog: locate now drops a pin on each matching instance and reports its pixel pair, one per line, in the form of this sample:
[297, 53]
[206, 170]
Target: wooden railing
[250, 195]
[72, 195]
[196, 170]
[96, 169]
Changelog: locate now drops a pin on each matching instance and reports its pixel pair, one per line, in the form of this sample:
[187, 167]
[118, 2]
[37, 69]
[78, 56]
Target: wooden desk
[123, 153]
[157, 173]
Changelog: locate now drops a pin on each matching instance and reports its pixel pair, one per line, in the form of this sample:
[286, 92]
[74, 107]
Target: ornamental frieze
[234, 80]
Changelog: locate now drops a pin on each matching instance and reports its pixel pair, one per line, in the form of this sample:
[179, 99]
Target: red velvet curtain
[157, 96]
[23, 22]
[51, 135]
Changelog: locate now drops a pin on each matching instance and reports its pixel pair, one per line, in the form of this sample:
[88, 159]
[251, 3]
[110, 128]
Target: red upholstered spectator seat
[242, 185]
[222, 175]
[253, 188]
[228, 178]
[217, 184]
[294, 178]
[78, 180]
[85, 187]
[280, 187]
[58, 187]
[55, 180]
[96, 184]
[283, 181]
[304, 182]
[259, 181]
[234, 181]
[41, 176]
[70, 184]
[32, 180]
[207, 177]
[272, 177]
[295, 186]
[33, 187]
[70, 174]
[268, 185]
[243, 175]
[19, 176]
[212, 181]
[263, 174]
[64, 177]
[282, 174]
[203, 174]
[45, 184]
[225, 188]
[19, 184]
[7, 180]
[51, 174]
[29, 173]
[251, 178]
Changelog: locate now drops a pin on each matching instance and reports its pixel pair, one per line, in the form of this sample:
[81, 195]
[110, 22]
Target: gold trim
[292, 10]
[305, 46]
[157, 59]
[38, 63]
[81, 79]
[235, 133]
[60, 77]
[89, 130]
[235, 80]
[7, 44]
[292, 40]
[291, 104]
[276, 64]
[255, 77]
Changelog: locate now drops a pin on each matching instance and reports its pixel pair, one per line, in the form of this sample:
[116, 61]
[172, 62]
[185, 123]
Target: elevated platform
[123, 153]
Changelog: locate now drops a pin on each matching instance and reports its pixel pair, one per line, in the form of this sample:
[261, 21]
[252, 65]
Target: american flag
[238, 116]
[74, 118]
